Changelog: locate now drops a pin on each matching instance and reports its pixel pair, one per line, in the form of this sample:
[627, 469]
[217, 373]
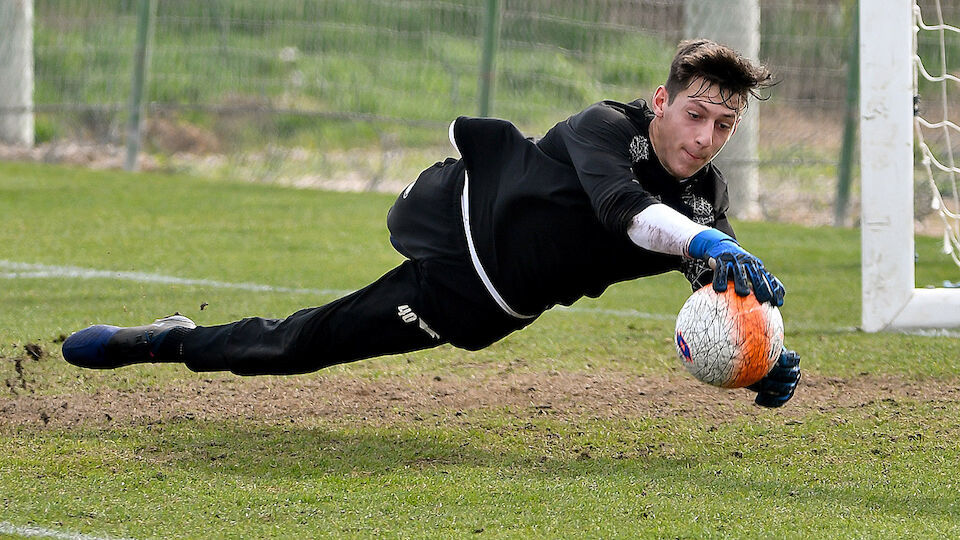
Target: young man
[514, 227]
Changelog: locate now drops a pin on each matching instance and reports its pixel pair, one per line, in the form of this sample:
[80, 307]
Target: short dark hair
[718, 65]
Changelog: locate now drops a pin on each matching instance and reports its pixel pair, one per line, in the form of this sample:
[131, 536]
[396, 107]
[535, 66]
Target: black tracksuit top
[550, 217]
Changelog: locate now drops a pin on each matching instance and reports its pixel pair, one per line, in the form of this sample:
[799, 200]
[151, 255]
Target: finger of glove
[772, 401]
[778, 374]
[788, 359]
[740, 281]
[777, 377]
[776, 382]
[740, 278]
[779, 291]
[720, 276]
[758, 277]
[778, 387]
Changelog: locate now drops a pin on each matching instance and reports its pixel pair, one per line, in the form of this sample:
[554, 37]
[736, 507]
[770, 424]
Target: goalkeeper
[513, 227]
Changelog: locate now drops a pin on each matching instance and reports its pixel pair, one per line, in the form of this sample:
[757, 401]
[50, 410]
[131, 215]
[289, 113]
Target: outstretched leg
[382, 318]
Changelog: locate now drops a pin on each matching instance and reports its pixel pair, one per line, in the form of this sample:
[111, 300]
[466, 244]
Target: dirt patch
[566, 396]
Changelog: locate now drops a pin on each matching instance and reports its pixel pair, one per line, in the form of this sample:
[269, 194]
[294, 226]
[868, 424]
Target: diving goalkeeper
[512, 228]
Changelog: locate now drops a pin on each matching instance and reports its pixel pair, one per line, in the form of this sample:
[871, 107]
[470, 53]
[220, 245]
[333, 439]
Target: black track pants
[415, 306]
[381, 318]
[432, 298]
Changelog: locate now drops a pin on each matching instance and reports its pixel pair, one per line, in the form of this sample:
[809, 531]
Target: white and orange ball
[728, 340]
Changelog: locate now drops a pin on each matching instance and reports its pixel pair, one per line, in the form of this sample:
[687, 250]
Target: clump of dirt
[566, 396]
[34, 350]
[19, 383]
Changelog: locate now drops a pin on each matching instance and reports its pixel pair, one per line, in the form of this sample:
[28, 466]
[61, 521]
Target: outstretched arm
[662, 229]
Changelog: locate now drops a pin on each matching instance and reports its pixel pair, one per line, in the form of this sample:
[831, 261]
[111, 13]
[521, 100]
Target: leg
[380, 319]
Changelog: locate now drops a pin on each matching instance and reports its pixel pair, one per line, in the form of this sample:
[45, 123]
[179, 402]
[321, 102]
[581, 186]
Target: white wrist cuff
[664, 230]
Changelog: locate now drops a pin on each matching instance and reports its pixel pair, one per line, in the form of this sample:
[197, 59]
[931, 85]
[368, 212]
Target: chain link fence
[356, 94]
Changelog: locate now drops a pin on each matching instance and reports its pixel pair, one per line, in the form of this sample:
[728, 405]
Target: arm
[596, 142]
[662, 229]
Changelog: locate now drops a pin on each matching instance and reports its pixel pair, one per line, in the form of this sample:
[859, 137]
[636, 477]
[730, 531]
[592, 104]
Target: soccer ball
[728, 340]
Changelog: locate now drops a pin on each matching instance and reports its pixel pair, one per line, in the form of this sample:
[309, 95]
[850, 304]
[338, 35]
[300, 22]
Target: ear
[660, 99]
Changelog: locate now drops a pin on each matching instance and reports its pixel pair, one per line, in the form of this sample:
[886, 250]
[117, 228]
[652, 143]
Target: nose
[704, 138]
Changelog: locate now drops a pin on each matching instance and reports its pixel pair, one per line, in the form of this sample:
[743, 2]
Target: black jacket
[549, 217]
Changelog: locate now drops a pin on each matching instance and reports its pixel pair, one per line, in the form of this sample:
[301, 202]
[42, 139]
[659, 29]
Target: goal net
[909, 53]
[934, 130]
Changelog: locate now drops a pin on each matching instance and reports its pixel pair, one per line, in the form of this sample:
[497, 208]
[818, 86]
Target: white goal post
[891, 300]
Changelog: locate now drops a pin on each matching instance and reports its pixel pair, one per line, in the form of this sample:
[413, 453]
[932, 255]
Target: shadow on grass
[516, 453]
[800, 475]
[258, 451]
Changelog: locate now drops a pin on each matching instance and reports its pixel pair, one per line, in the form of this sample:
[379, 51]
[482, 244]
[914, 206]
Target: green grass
[886, 468]
[883, 472]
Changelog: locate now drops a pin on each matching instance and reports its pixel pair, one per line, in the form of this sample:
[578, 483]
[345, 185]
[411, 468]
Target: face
[689, 132]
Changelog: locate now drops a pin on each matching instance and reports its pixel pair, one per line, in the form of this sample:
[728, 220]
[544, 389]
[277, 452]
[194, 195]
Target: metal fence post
[141, 60]
[845, 167]
[491, 34]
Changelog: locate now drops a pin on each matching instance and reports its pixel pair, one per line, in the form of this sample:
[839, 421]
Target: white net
[936, 47]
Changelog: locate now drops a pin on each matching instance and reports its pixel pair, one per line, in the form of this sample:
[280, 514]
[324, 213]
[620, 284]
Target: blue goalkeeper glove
[732, 262]
[778, 386]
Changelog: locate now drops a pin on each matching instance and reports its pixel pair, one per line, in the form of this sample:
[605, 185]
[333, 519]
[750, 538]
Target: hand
[778, 386]
[731, 262]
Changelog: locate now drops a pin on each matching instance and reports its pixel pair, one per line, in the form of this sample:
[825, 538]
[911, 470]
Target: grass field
[582, 426]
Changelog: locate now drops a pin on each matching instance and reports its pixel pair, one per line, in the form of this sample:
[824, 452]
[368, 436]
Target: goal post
[890, 298]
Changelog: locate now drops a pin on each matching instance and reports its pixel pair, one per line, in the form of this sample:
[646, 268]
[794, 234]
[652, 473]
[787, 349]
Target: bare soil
[339, 398]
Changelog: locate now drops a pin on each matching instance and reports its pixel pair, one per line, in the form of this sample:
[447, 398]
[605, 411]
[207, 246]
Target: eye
[724, 126]
[693, 115]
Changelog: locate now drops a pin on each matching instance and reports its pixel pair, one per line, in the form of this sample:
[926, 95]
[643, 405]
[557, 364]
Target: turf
[879, 467]
[882, 472]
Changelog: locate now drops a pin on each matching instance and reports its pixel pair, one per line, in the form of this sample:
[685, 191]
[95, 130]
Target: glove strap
[703, 241]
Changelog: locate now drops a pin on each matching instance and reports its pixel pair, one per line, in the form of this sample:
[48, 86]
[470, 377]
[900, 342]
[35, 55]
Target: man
[514, 227]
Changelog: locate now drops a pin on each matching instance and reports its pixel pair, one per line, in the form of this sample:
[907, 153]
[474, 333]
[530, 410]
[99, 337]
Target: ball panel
[750, 329]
